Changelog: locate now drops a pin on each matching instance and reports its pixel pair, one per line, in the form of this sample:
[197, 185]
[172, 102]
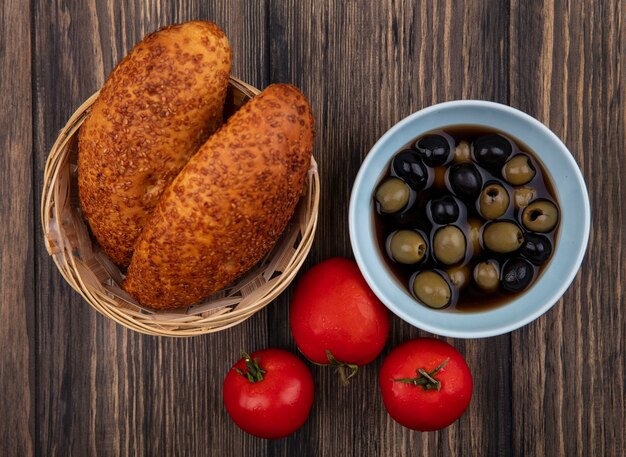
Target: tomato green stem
[341, 368]
[424, 378]
[255, 372]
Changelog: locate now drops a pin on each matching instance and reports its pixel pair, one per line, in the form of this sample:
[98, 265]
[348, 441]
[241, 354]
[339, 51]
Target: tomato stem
[424, 378]
[341, 368]
[344, 376]
[255, 372]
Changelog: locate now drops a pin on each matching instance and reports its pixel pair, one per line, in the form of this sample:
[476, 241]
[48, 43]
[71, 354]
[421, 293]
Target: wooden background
[73, 383]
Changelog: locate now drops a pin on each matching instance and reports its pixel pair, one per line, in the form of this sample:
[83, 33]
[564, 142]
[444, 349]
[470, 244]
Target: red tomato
[269, 393]
[416, 401]
[335, 318]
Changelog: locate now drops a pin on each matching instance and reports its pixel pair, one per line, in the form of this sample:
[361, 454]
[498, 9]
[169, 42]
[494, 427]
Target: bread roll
[229, 205]
[157, 107]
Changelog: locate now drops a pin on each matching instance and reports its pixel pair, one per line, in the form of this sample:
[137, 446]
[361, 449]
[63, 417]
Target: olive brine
[466, 218]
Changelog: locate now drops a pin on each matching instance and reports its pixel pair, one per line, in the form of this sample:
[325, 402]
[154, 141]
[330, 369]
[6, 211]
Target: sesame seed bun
[158, 106]
[229, 205]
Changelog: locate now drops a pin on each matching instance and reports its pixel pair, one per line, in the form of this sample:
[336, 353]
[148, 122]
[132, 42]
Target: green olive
[540, 216]
[503, 237]
[407, 246]
[462, 152]
[519, 170]
[432, 289]
[474, 230]
[449, 245]
[523, 196]
[493, 201]
[459, 276]
[392, 195]
[487, 275]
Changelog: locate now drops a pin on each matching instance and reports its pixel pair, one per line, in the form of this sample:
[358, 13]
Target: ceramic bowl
[571, 241]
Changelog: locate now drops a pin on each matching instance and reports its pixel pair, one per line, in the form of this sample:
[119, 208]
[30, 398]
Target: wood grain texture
[105, 390]
[73, 383]
[568, 71]
[365, 67]
[17, 282]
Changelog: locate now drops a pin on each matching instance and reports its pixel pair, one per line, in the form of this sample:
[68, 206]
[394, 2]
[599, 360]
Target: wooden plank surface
[567, 70]
[17, 247]
[365, 66]
[104, 390]
[74, 383]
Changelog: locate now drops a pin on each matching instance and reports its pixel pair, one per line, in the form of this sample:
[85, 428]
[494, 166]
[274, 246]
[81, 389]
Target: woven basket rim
[79, 275]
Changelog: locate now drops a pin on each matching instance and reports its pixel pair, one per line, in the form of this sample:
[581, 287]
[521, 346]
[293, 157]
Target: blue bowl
[571, 241]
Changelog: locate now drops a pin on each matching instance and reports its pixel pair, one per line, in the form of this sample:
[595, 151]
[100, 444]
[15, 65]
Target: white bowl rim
[385, 287]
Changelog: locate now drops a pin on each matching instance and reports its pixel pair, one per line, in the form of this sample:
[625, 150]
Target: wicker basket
[98, 280]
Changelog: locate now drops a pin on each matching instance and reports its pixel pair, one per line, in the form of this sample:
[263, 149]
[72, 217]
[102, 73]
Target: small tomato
[426, 384]
[269, 393]
[336, 319]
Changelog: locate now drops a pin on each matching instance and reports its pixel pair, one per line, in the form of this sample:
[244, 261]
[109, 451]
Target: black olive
[434, 150]
[408, 165]
[465, 180]
[536, 248]
[444, 210]
[491, 151]
[517, 274]
[412, 217]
